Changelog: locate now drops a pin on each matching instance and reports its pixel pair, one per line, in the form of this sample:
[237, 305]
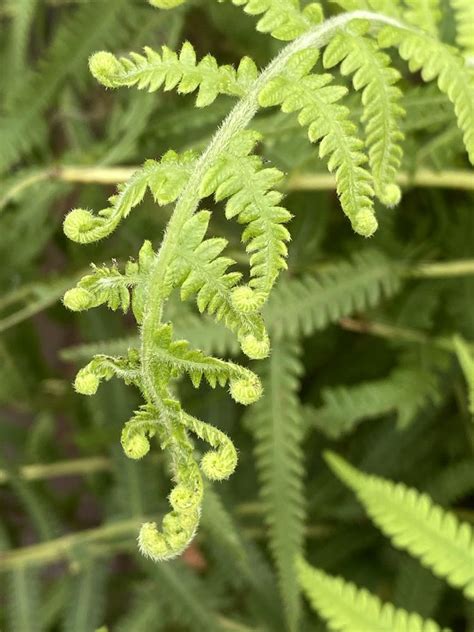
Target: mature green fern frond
[23, 599]
[277, 428]
[381, 100]
[348, 608]
[424, 14]
[436, 60]
[455, 482]
[152, 70]
[87, 599]
[404, 391]
[239, 176]
[329, 124]
[466, 360]
[22, 128]
[145, 613]
[464, 14]
[283, 19]
[190, 604]
[414, 523]
[312, 302]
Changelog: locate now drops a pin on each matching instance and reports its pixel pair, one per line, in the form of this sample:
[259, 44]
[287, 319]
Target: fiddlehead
[195, 265]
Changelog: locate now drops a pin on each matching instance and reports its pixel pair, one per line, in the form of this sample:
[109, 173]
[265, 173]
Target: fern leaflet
[348, 608]
[277, 427]
[414, 523]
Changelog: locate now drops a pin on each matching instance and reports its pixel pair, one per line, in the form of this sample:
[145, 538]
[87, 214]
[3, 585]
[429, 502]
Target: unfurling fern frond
[439, 61]
[199, 269]
[152, 70]
[283, 19]
[464, 14]
[381, 100]
[166, 180]
[414, 523]
[277, 427]
[348, 608]
[239, 176]
[329, 123]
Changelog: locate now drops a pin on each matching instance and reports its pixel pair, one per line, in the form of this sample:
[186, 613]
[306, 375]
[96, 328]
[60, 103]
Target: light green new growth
[415, 524]
[197, 266]
[348, 608]
[464, 14]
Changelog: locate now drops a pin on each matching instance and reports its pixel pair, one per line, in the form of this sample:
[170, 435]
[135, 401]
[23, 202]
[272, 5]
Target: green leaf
[414, 523]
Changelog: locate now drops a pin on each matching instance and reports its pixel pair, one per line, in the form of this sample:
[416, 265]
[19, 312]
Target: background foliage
[363, 361]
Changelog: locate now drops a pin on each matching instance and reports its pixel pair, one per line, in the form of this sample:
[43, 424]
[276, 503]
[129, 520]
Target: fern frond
[348, 608]
[466, 360]
[23, 599]
[381, 101]
[423, 14]
[414, 523]
[199, 269]
[300, 306]
[404, 391]
[330, 125]
[153, 69]
[239, 176]
[464, 15]
[166, 180]
[87, 599]
[173, 358]
[436, 60]
[277, 428]
[283, 19]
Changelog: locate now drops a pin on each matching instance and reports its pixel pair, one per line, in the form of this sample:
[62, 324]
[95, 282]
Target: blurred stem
[61, 548]
[72, 467]
[445, 269]
[450, 179]
[396, 333]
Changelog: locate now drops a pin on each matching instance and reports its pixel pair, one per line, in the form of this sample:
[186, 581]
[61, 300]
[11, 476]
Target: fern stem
[398, 333]
[73, 467]
[450, 179]
[237, 120]
[463, 267]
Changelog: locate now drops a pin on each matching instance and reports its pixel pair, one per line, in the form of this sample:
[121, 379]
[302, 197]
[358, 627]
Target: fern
[415, 523]
[240, 177]
[197, 266]
[328, 123]
[23, 586]
[300, 306]
[424, 14]
[405, 391]
[464, 14]
[277, 427]
[381, 100]
[86, 605]
[152, 70]
[466, 360]
[283, 19]
[350, 609]
[438, 61]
